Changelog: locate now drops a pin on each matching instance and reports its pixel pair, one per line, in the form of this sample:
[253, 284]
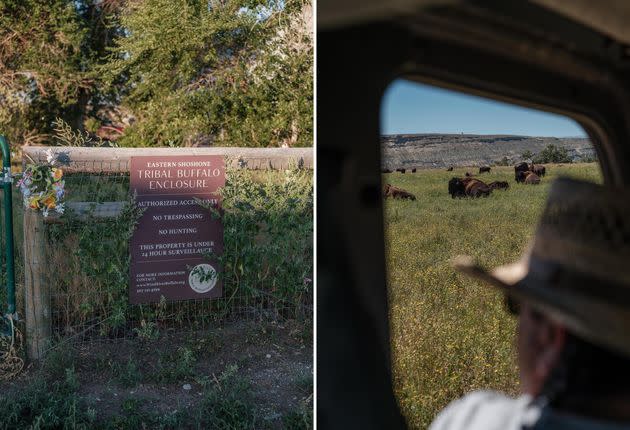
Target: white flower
[50, 156]
[45, 212]
[59, 208]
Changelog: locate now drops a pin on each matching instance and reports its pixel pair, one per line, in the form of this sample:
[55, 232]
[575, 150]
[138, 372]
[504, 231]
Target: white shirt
[490, 410]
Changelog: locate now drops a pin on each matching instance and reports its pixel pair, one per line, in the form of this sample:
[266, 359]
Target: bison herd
[469, 186]
[529, 173]
[400, 170]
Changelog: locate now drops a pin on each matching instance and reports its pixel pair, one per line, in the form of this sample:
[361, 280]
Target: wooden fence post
[36, 288]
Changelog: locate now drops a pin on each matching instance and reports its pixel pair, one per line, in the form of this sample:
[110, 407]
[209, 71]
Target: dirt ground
[168, 374]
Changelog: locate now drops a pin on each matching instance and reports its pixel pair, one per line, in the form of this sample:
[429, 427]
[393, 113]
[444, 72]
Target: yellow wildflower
[57, 173]
[34, 202]
[50, 201]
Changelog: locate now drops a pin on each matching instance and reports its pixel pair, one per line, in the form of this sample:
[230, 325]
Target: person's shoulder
[487, 410]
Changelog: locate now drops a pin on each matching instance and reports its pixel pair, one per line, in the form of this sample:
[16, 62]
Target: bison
[456, 188]
[470, 187]
[499, 185]
[401, 170]
[386, 171]
[450, 169]
[413, 170]
[468, 175]
[538, 169]
[532, 179]
[520, 167]
[484, 169]
[396, 193]
[528, 177]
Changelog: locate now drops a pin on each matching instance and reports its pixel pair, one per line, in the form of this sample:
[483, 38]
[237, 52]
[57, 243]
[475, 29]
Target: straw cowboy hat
[576, 269]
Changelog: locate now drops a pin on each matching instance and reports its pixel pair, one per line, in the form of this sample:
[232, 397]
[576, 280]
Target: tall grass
[267, 259]
[451, 334]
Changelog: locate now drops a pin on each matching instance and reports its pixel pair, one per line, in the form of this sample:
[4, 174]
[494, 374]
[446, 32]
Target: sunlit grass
[451, 334]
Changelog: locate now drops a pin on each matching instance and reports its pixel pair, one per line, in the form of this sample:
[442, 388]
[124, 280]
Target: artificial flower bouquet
[42, 187]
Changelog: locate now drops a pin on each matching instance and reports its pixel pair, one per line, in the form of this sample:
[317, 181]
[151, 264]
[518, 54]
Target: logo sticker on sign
[175, 234]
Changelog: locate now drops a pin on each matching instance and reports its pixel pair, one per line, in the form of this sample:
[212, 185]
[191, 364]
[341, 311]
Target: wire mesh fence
[267, 260]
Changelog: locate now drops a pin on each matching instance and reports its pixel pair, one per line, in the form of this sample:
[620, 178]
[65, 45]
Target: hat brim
[599, 322]
[503, 277]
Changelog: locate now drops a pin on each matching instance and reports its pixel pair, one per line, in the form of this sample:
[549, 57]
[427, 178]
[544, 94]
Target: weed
[227, 404]
[173, 368]
[45, 404]
[267, 261]
[298, 420]
[127, 375]
[147, 330]
[57, 362]
[305, 383]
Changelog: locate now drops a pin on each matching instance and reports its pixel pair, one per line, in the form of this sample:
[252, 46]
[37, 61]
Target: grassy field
[450, 334]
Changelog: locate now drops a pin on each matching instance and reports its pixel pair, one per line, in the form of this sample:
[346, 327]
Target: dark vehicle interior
[570, 57]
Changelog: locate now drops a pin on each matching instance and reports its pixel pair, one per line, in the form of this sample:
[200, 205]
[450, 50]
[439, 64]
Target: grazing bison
[413, 170]
[450, 169]
[470, 187]
[468, 175]
[484, 169]
[499, 185]
[386, 171]
[538, 169]
[528, 177]
[396, 193]
[520, 167]
[401, 170]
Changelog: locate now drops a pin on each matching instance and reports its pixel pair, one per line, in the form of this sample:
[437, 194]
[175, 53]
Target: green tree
[527, 155]
[552, 154]
[47, 52]
[503, 162]
[159, 72]
[224, 72]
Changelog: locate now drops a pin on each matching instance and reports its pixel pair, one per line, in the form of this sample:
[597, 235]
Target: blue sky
[409, 107]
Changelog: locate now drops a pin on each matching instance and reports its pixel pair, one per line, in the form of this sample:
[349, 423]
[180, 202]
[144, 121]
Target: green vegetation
[48, 404]
[47, 52]
[158, 72]
[451, 334]
[209, 379]
[267, 258]
[552, 154]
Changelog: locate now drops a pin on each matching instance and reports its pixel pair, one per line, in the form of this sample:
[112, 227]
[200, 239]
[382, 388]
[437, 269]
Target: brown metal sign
[175, 234]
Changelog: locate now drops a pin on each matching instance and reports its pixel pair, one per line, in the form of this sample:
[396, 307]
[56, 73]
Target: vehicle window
[449, 334]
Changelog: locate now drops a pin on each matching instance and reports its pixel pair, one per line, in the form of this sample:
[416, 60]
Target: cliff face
[427, 151]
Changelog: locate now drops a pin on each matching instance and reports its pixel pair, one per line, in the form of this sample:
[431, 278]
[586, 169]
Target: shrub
[552, 154]
[228, 404]
[267, 260]
[503, 162]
